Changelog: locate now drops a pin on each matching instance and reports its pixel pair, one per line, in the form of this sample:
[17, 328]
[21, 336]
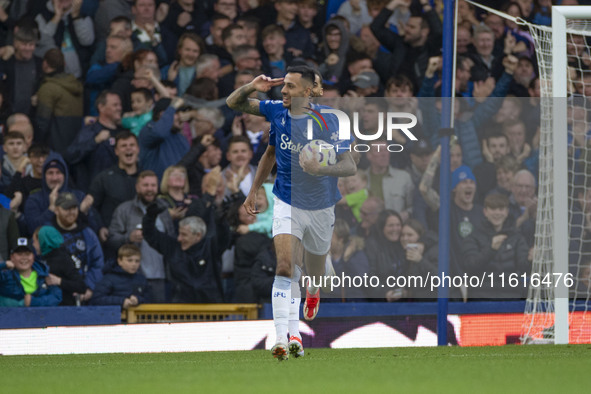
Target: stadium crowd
[125, 167]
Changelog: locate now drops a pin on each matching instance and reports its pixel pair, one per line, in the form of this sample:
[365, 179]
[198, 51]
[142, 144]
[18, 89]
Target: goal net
[557, 313]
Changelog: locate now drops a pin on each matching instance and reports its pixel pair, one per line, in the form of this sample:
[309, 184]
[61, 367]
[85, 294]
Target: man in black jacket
[194, 257]
[497, 248]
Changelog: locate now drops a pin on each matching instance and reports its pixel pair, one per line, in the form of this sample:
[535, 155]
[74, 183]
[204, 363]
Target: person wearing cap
[161, 142]
[496, 247]
[93, 150]
[23, 280]
[80, 241]
[464, 216]
[366, 83]
[40, 206]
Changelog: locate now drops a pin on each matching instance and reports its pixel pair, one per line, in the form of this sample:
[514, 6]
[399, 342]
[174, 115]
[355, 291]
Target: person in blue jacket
[40, 206]
[161, 142]
[22, 279]
[123, 284]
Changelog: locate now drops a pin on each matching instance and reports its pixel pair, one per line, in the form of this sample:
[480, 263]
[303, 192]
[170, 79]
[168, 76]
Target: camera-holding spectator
[61, 25]
[60, 104]
[194, 257]
[126, 227]
[49, 245]
[496, 247]
[123, 284]
[22, 279]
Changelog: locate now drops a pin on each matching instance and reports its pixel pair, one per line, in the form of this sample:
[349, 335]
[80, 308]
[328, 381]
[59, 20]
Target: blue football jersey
[289, 136]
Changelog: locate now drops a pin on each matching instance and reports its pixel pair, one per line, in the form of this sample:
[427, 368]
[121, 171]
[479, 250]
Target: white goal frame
[560, 162]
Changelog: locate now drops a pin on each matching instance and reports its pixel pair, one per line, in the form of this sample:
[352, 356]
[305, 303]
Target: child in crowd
[141, 103]
[14, 160]
[23, 280]
[264, 221]
[123, 284]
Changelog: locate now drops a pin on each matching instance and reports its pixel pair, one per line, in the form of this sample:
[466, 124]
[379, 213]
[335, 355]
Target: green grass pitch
[508, 369]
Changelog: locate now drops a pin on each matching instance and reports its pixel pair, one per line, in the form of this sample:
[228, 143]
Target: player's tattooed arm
[345, 166]
[239, 99]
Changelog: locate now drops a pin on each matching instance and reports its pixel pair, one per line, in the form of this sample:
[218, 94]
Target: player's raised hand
[263, 83]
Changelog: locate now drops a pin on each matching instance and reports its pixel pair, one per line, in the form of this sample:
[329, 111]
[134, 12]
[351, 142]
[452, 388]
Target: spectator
[79, 240]
[226, 7]
[60, 104]
[232, 37]
[355, 193]
[107, 11]
[335, 44]
[9, 232]
[214, 41]
[518, 146]
[245, 57]
[496, 247]
[193, 283]
[49, 245]
[147, 32]
[384, 252]
[370, 211]
[116, 185]
[421, 40]
[103, 73]
[185, 16]
[61, 25]
[135, 64]
[494, 147]
[22, 70]
[208, 66]
[205, 154]
[506, 168]
[239, 155]
[182, 71]
[93, 149]
[391, 185]
[120, 26]
[21, 186]
[14, 159]
[486, 64]
[161, 141]
[523, 202]
[21, 123]
[174, 189]
[348, 258]
[22, 279]
[141, 105]
[40, 206]
[123, 284]
[298, 40]
[356, 13]
[464, 216]
[307, 16]
[126, 227]
[421, 254]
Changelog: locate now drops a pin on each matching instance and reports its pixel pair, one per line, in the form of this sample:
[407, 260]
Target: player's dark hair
[306, 72]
